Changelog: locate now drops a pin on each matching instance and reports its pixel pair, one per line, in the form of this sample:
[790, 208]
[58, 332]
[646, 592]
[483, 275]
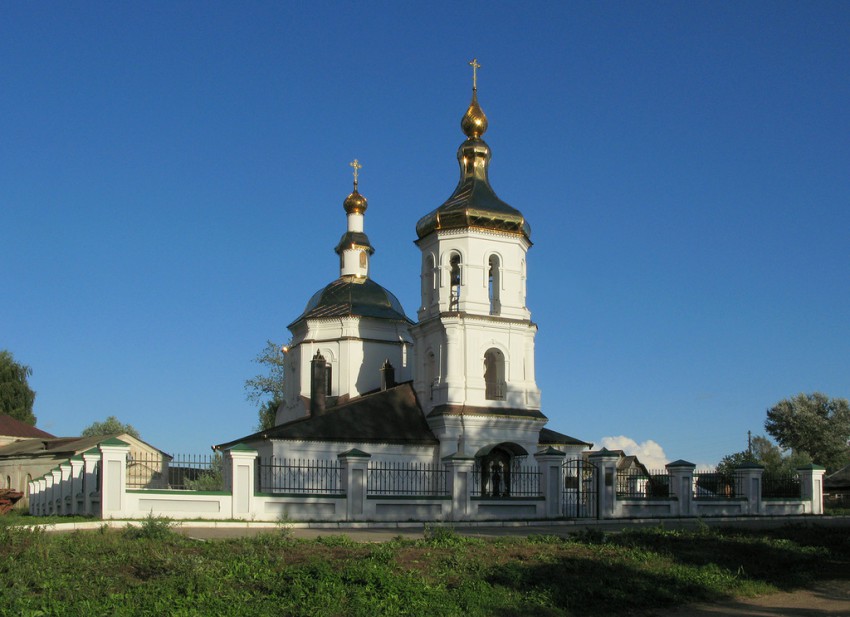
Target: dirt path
[830, 598]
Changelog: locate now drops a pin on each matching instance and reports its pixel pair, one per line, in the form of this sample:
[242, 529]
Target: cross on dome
[475, 66]
[357, 167]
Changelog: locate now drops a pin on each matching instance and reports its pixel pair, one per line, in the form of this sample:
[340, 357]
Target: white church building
[360, 374]
[388, 419]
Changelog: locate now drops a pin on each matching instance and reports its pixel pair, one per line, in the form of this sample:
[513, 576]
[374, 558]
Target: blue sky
[172, 177]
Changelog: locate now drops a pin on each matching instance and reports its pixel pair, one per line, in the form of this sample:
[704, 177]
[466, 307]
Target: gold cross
[357, 167]
[475, 66]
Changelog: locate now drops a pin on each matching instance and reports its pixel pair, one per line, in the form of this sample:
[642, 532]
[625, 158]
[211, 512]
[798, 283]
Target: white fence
[354, 487]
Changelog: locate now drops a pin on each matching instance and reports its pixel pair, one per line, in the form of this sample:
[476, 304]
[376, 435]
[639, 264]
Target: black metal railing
[406, 478]
[192, 472]
[300, 476]
[718, 485]
[781, 485]
[638, 484]
[515, 481]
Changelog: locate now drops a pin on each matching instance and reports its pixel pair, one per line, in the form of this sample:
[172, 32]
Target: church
[362, 376]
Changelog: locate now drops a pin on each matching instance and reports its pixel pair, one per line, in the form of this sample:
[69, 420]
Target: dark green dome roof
[352, 296]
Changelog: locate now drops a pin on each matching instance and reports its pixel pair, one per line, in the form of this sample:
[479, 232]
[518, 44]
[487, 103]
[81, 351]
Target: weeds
[444, 574]
[152, 528]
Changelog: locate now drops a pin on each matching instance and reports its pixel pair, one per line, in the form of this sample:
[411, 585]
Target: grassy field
[153, 571]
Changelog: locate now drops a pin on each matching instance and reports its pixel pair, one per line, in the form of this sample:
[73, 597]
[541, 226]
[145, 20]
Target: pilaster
[550, 462]
[355, 465]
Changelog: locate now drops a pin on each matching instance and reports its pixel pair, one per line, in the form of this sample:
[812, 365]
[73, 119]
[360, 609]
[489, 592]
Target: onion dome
[351, 296]
[474, 204]
[474, 122]
[355, 203]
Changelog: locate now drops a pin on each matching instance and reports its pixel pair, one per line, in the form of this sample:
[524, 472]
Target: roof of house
[58, 446]
[13, 427]
[387, 416]
[838, 479]
[550, 437]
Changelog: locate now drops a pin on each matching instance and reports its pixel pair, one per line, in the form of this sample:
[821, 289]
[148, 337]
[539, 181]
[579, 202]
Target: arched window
[494, 375]
[454, 282]
[494, 284]
[8, 481]
[362, 259]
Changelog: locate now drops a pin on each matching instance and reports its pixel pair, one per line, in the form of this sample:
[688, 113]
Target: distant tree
[813, 424]
[767, 454]
[266, 389]
[16, 396]
[729, 463]
[774, 460]
[110, 426]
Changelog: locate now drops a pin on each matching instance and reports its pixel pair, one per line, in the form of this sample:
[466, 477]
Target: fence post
[550, 461]
[355, 465]
[606, 463]
[66, 488]
[459, 484]
[41, 507]
[33, 490]
[811, 487]
[56, 491]
[113, 477]
[77, 464]
[682, 484]
[243, 465]
[750, 474]
[91, 487]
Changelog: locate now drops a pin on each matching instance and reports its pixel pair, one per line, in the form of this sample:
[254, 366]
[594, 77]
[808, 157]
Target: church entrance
[497, 471]
[581, 495]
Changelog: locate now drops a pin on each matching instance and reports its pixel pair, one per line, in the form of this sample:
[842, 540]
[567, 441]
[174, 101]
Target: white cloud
[649, 452]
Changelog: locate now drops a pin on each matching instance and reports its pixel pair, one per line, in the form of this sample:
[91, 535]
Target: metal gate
[581, 493]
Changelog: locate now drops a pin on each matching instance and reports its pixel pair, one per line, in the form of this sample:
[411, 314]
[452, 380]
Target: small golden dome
[474, 122]
[355, 203]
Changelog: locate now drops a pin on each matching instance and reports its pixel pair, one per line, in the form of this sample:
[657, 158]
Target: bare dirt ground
[830, 597]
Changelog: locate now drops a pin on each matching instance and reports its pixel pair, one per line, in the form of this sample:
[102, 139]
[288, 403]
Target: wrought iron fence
[718, 485]
[406, 478]
[192, 472]
[298, 475]
[781, 485]
[638, 484]
[518, 480]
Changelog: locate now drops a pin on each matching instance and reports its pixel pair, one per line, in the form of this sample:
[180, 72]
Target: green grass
[152, 570]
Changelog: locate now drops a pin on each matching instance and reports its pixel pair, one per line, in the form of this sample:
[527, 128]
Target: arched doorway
[495, 466]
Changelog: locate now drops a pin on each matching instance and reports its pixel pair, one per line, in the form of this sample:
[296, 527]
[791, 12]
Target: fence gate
[581, 495]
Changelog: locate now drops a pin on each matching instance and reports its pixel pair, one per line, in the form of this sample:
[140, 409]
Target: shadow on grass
[638, 571]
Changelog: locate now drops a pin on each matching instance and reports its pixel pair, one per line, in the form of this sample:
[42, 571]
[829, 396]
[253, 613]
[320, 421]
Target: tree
[764, 452]
[110, 426]
[266, 390]
[16, 396]
[813, 424]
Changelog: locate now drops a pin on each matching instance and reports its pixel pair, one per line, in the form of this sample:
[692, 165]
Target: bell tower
[475, 338]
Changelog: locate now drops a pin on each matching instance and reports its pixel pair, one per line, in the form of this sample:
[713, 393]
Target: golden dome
[474, 122]
[355, 203]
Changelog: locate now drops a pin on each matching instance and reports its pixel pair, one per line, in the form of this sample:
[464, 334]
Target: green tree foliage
[266, 389]
[813, 424]
[729, 463]
[16, 396]
[110, 426]
[767, 454]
